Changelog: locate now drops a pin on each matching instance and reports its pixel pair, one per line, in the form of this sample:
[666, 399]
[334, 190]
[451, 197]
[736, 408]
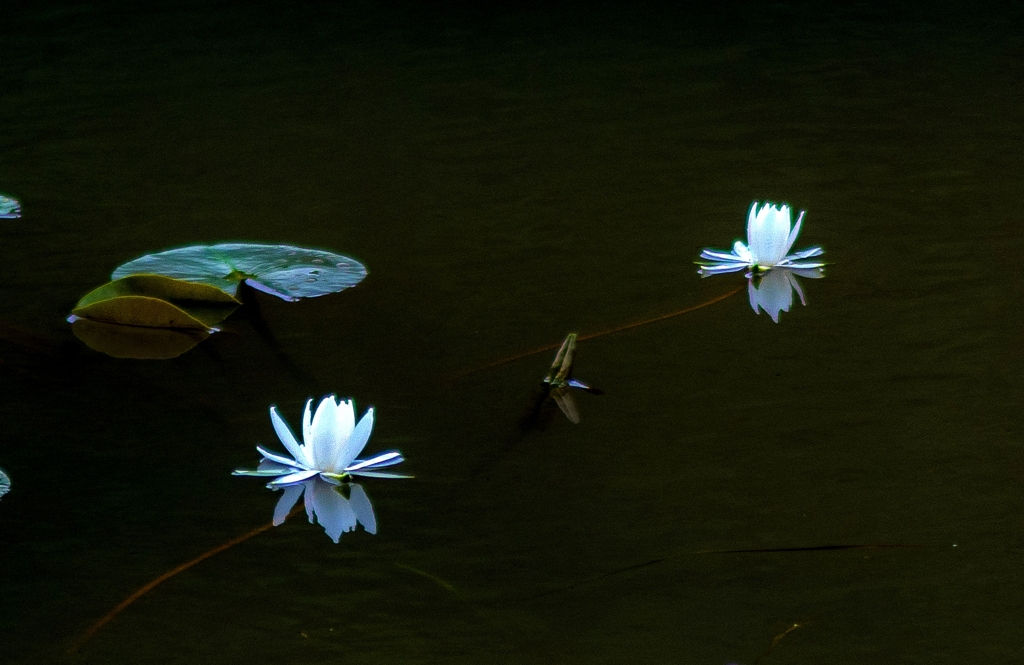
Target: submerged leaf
[9, 208]
[155, 301]
[287, 272]
[136, 342]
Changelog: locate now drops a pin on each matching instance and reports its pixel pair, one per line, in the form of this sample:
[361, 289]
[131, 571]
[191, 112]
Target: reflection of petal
[774, 292]
[332, 510]
[796, 287]
[809, 273]
[286, 502]
[327, 505]
[380, 474]
[363, 508]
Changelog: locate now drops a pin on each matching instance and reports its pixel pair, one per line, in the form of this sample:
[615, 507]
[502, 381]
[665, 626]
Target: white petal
[742, 252]
[776, 233]
[753, 228]
[293, 478]
[806, 253]
[286, 502]
[280, 459]
[307, 426]
[356, 442]
[796, 230]
[287, 438]
[721, 268]
[811, 266]
[384, 459]
[380, 474]
[346, 415]
[257, 472]
[266, 468]
[325, 442]
[362, 508]
[718, 255]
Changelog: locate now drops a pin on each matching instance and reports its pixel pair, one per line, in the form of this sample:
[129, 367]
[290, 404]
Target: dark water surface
[509, 176]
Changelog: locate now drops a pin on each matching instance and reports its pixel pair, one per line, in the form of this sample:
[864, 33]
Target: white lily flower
[773, 291]
[332, 440]
[5, 483]
[769, 239]
[326, 504]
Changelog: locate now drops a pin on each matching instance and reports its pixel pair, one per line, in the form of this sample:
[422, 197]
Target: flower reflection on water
[327, 504]
[773, 291]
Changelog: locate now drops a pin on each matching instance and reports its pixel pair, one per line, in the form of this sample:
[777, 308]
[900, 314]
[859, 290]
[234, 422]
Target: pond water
[508, 176]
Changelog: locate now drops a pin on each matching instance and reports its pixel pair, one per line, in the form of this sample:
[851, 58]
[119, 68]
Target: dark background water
[510, 174]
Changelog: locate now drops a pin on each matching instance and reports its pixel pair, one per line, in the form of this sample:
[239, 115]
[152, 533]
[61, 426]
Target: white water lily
[773, 291]
[332, 440]
[5, 483]
[326, 504]
[769, 239]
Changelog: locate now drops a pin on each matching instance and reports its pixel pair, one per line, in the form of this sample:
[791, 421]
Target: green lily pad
[9, 208]
[287, 272]
[156, 301]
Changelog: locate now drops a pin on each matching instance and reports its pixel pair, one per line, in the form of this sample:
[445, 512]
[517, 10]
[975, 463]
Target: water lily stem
[89, 632]
[610, 331]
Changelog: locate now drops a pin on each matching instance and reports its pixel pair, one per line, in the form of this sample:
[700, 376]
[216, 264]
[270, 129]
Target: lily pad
[136, 342]
[9, 208]
[155, 301]
[287, 272]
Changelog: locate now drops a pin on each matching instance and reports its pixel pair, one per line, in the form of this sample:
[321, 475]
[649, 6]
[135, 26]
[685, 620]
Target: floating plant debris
[284, 271]
[558, 384]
